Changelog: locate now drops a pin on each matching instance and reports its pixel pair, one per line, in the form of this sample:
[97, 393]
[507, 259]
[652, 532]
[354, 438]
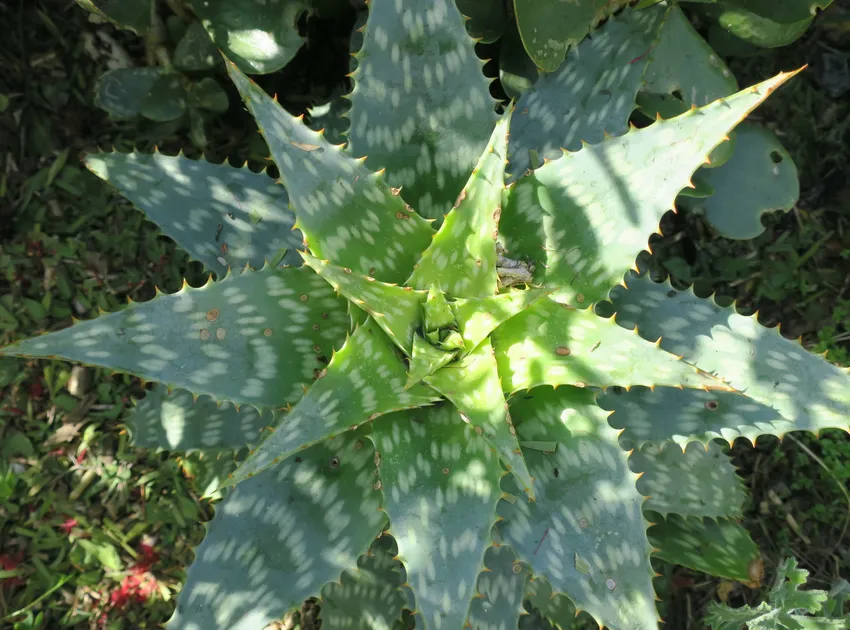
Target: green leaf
[461, 259]
[487, 19]
[478, 317]
[279, 537]
[758, 30]
[175, 421]
[441, 486]
[786, 11]
[397, 310]
[550, 27]
[502, 588]
[683, 63]
[722, 548]
[421, 106]
[425, 360]
[260, 37]
[698, 481]
[371, 597]
[122, 91]
[196, 52]
[437, 314]
[256, 338]
[585, 531]
[102, 552]
[473, 385]
[591, 93]
[166, 99]
[594, 209]
[772, 371]
[208, 209]
[758, 178]
[551, 605]
[348, 215]
[207, 94]
[365, 379]
[551, 344]
[132, 14]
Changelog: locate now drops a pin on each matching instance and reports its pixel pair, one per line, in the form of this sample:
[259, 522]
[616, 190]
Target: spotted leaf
[774, 372]
[592, 92]
[550, 27]
[552, 344]
[223, 216]
[760, 176]
[441, 484]
[251, 339]
[594, 209]
[278, 538]
[260, 37]
[722, 547]
[176, 421]
[371, 597]
[364, 380]
[397, 310]
[461, 259]
[472, 384]
[585, 533]
[502, 588]
[421, 107]
[348, 214]
[699, 482]
[478, 317]
[426, 359]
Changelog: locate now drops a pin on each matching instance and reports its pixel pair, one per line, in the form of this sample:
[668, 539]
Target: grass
[96, 534]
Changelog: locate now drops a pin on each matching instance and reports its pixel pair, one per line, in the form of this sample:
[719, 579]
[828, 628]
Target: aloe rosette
[432, 441]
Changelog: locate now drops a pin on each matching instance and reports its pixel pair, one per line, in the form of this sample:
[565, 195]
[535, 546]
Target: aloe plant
[457, 393]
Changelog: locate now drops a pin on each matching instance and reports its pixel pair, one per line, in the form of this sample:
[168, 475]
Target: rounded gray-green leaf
[166, 99]
[196, 52]
[260, 36]
[487, 18]
[759, 177]
[759, 30]
[122, 91]
[208, 94]
[279, 537]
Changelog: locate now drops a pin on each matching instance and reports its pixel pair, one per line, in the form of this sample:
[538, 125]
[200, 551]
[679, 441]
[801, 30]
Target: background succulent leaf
[121, 91]
[372, 596]
[788, 11]
[364, 379]
[719, 547]
[279, 537]
[487, 19]
[132, 14]
[441, 483]
[554, 608]
[773, 371]
[478, 317]
[259, 37]
[759, 177]
[195, 52]
[208, 95]
[585, 532]
[550, 344]
[461, 259]
[166, 100]
[249, 339]
[176, 422]
[591, 93]
[699, 482]
[502, 588]
[348, 215]
[474, 387]
[594, 209]
[421, 106]
[550, 27]
[214, 211]
[755, 29]
[397, 310]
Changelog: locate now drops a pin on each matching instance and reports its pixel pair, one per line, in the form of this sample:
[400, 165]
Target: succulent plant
[460, 396]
